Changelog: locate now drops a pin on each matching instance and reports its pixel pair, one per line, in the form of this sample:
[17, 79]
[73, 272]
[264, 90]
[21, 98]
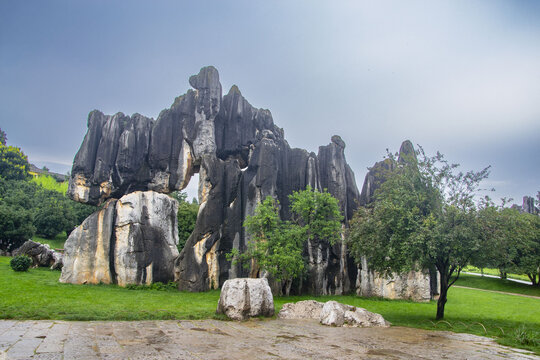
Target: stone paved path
[260, 339]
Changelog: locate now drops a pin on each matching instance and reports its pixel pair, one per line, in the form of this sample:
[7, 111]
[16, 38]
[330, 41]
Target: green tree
[498, 231]
[527, 259]
[423, 215]
[3, 137]
[13, 163]
[317, 214]
[276, 246]
[52, 216]
[187, 217]
[15, 226]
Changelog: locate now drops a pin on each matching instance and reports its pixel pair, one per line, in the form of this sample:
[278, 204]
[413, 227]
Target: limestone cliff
[241, 157]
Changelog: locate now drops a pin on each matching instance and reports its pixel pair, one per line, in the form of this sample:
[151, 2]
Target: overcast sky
[461, 77]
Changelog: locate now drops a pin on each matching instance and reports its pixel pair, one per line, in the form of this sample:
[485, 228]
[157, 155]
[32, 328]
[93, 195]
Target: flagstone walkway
[257, 339]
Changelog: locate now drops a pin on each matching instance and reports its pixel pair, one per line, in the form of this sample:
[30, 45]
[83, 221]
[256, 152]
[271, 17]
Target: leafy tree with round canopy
[423, 215]
[13, 163]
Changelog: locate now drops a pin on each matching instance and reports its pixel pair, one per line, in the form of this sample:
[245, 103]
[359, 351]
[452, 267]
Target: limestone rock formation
[529, 205]
[414, 285]
[306, 309]
[129, 241]
[243, 298]
[41, 254]
[332, 313]
[241, 157]
[337, 314]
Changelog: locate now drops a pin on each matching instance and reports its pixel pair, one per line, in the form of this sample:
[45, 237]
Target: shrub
[20, 263]
[13, 163]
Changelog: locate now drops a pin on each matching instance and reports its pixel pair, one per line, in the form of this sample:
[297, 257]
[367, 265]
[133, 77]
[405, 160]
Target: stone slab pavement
[255, 339]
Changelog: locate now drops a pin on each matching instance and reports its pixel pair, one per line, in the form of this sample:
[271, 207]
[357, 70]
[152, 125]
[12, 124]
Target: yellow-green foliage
[50, 183]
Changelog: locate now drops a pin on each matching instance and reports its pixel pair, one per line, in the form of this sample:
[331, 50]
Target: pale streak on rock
[200, 248]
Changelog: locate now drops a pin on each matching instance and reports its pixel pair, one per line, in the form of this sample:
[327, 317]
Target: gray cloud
[460, 77]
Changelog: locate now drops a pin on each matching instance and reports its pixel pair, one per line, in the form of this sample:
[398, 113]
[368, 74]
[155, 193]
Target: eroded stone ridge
[241, 157]
[129, 241]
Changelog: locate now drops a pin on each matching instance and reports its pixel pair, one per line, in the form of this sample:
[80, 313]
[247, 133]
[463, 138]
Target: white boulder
[243, 298]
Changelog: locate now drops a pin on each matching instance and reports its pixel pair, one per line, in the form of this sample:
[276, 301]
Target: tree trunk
[288, 285]
[502, 273]
[532, 277]
[442, 296]
[255, 269]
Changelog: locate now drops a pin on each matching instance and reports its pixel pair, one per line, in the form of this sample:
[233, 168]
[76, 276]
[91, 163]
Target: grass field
[486, 283]
[495, 272]
[56, 243]
[37, 294]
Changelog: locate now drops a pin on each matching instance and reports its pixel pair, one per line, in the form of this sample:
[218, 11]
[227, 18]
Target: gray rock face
[306, 309]
[241, 157]
[332, 313]
[528, 205]
[243, 298]
[337, 314]
[87, 251]
[129, 241]
[414, 285]
[41, 254]
[146, 235]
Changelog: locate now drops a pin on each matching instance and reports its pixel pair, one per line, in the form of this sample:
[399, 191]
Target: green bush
[20, 263]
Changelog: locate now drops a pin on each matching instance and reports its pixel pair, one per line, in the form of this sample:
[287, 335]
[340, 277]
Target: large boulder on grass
[243, 298]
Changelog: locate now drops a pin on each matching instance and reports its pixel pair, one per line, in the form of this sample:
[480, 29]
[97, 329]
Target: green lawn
[37, 294]
[495, 272]
[56, 243]
[497, 285]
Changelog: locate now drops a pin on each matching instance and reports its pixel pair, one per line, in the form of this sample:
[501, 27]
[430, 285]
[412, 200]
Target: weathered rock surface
[243, 298]
[306, 309]
[129, 241]
[88, 250]
[41, 254]
[414, 285]
[529, 206]
[241, 157]
[332, 313]
[337, 314]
